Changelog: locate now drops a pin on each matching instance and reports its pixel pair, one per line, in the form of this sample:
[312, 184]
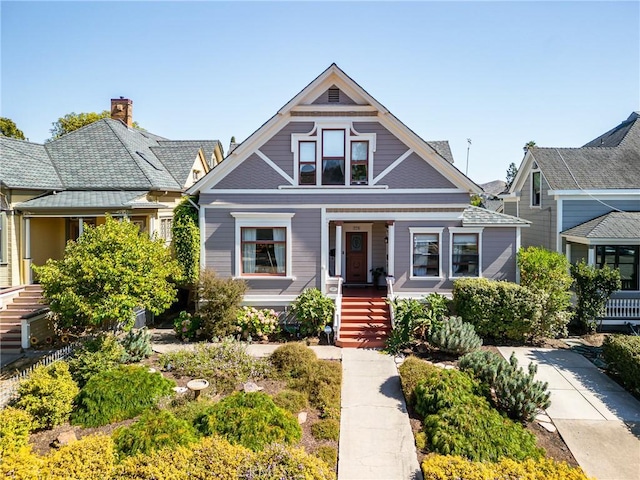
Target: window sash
[624, 258]
[426, 255]
[263, 251]
[359, 162]
[465, 257]
[333, 157]
[535, 189]
[307, 163]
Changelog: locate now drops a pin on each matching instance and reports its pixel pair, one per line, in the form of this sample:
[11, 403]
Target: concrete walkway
[376, 441]
[594, 415]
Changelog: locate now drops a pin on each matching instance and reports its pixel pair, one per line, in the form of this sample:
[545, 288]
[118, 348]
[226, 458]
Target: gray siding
[579, 252]
[278, 147]
[499, 253]
[414, 172]
[541, 232]
[575, 212]
[379, 248]
[324, 99]
[510, 208]
[388, 146]
[253, 173]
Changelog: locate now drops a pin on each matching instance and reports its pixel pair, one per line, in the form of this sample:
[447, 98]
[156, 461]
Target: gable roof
[333, 76]
[611, 161]
[618, 225]
[104, 155]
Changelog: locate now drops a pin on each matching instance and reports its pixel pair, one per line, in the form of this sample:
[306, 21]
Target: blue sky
[500, 73]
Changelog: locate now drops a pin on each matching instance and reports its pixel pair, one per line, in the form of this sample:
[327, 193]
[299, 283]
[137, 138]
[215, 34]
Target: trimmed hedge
[499, 310]
[622, 354]
[292, 360]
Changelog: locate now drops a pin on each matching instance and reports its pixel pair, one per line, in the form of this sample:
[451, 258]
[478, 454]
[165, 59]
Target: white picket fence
[623, 308]
[9, 387]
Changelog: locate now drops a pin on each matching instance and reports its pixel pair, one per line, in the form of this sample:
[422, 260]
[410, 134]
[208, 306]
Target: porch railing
[390, 296]
[623, 309]
[335, 291]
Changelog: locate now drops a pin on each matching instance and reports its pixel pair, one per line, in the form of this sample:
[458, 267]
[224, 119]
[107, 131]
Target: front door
[356, 257]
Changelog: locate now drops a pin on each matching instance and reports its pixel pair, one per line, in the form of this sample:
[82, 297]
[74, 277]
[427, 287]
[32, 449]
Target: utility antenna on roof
[466, 170]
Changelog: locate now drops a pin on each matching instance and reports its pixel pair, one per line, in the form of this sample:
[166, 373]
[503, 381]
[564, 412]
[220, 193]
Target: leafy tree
[593, 287]
[512, 171]
[73, 121]
[476, 200]
[8, 128]
[530, 144]
[185, 235]
[108, 272]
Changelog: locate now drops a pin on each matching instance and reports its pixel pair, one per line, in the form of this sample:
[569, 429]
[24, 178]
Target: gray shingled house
[48, 192]
[585, 203]
[334, 189]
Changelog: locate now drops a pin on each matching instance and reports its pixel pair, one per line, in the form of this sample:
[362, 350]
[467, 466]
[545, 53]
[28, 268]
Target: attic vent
[334, 95]
[150, 161]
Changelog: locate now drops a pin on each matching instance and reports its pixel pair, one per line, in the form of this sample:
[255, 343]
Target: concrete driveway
[594, 415]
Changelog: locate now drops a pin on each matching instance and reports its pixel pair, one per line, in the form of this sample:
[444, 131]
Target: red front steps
[365, 322]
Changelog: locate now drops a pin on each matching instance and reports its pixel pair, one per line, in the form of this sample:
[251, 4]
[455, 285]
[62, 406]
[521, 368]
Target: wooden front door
[356, 257]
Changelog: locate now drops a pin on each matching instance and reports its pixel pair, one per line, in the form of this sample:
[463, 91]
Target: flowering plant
[254, 322]
[187, 326]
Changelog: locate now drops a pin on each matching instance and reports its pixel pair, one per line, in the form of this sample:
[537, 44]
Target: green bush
[47, 395]
[255, 323]
[313, 310]
[15, 426]
[444, 390]
[89, 458]
[291, 400]
[328, 455]
[156, 429]
[187, 326]
[185, 241]
[215, 457]
[184, 408]
[292, 360]
[446, 467]
[499, 310]
[20, 464]
[280, 462]
[119, 394]
[327, 429]
[622, 354]
[224, 365]
[455, 336]
[474, 430]
[507, 386]
[322, 384]
[137, 345]
[220, 301]
[96, 354]
[251, 420]
[593, 287]
[412, 371]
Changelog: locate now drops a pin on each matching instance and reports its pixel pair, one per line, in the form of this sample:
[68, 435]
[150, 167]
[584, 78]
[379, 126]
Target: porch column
[80, 226]
[567, 251]
[27, 250]
[592, 256]
[338, 257]
[391, 243]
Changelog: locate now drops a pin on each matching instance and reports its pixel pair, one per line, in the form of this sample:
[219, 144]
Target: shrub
[20, 464]
[476, 431]
[500, 310]
[292, 360]
[251, 420]
[89, 458]
[444, 390]
[622, 354]
[412, 371]
[445, 467]
[119, 394]
[313, 310]
[323, 385]
[547, 273]
[277, 461]
[455, 336]
[167, 464]
[508, 387]
[192, 412]
[593, 287]
[15, 426]
[187, 326]
[328, 455]
[255, 323]
[47, 395]
[156, 429]
[220, 301]
[137, 345]
[215, 457]
[291, 400]
[224, 365]
[410, 316]
[327, 429]
[97, 354]
[421, 441]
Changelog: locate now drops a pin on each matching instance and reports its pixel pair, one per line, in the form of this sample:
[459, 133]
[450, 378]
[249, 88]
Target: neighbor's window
[465, 258]
[623, 257]
[333, 157]
[264, 251]
[307, 163]
[359, 162]
[426, 255]
[535, 189]
[165, 228]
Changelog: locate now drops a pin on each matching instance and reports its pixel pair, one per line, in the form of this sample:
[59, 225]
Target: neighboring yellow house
[49, 192]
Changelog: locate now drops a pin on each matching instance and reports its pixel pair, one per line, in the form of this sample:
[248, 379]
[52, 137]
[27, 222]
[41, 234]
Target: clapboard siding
[575, 212]
[253, 173]
[379, 248]
[541, 232]
[510, 208]
[278, 147]
[414, 172]
[499, 253]
[219, 241]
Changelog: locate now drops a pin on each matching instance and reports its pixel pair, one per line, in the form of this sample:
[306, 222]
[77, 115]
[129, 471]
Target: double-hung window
[359, 162]
[466, 249]
[536, 188]
[425, 254]
[333, 157]
[307, 163]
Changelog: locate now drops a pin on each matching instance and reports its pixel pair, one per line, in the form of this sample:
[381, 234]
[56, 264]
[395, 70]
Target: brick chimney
[122, 109]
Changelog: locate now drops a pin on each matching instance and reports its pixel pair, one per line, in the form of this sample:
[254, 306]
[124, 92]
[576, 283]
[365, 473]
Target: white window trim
[170, 232]
[315, 135]
[262, 219]
[425, 230]
[463, 230]
[535, 169]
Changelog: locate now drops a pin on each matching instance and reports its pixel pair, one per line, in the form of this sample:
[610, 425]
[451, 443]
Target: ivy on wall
[185, 234]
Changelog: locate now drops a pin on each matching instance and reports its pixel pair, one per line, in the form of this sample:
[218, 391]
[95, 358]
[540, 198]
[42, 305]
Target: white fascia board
[262, 215]
[622, 193]
[355, 207]
[601, 241]
[523, 172]
[397, 216]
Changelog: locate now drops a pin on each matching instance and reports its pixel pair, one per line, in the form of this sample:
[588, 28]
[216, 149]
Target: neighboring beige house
[48, 192]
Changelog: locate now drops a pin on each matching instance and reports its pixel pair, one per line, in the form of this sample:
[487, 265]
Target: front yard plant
[15, 426]
[452, 335]
[257, 324]
[622, 354]
[220, 300]
[137, 345]
[313, 310]
[96, 354]
[593, 287]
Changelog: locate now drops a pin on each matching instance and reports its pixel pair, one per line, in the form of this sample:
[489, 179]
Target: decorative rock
[399, 360]
[180, 389]
[302, 417]
[152, 370]
[549, 427]
[251, 387]
[541, 417]
[65, 438]
[449, 367]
